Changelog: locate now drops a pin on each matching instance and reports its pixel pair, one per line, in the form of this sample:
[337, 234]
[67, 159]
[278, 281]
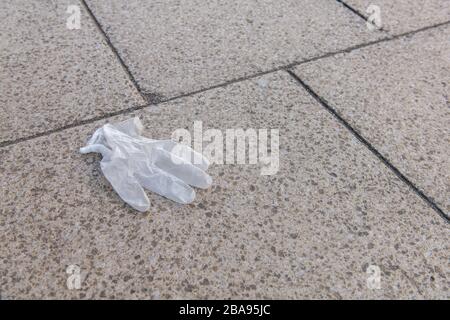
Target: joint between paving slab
[145, 96]
[157, 99]
[70, 126]
[154, 99]
[378, 154]
[355, 11]
[297, 63]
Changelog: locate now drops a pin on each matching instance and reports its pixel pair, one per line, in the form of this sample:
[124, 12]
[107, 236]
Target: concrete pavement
[362, 191]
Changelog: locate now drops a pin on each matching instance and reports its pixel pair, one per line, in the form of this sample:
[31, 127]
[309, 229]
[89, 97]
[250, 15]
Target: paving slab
[51, 76]
[402, 16]
[396, 94]
[176, 47]
[309, 231]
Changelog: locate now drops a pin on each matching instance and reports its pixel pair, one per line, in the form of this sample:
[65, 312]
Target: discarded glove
[132, 162]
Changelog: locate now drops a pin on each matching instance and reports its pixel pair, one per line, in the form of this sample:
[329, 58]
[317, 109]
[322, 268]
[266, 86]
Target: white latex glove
[132, 162]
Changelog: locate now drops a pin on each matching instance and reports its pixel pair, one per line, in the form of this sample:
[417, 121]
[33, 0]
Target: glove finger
[181, 169]
[186, 153]
[97, 148]
[126, 185]
[158, 181]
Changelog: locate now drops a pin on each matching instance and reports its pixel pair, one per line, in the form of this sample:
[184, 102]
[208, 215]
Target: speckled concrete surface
[51, 76]
[174, 47]
[309, 231]
[397, 95]
[402, 16]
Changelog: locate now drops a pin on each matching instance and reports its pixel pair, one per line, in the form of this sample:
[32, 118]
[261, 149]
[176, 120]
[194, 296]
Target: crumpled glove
[131, 163]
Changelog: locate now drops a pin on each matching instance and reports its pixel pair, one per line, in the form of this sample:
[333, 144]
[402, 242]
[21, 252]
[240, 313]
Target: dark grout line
[396, 171]
[363, 45]
[298, 63]
[158, 100]
[223, 84]
[114, 50]
[412, 32]
[355, 11]
[70, 126]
